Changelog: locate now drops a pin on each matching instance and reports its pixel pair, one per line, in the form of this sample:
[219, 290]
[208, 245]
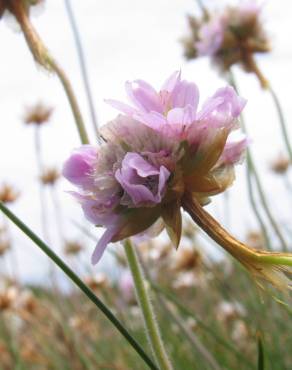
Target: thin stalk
[80, 284]
[258, 182]
[151, 325]
[82, 63]
[40, 167]
[249, 174]
[191, 337]
[43, 57]
[171, 298]
[282, 121]
[72, 100]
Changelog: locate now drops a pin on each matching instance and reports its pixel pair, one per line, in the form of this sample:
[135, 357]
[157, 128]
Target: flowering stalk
[270, 266]
[151, 325]
[43, 57]
[82, 62]
[76, 280]
[252, 168]
[159, 153]
[282, 121]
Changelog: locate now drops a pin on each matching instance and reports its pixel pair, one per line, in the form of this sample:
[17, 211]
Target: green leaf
[261, 362]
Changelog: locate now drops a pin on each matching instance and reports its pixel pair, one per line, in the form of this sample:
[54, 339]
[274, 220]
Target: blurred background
[123, 41]
[127, 40]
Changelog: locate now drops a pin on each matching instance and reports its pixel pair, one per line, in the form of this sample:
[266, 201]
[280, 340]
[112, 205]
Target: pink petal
[182, 116]
[102, 243]
[122, 107]
[171, 82]
[144, 96]
[153, 119]
[185, 93]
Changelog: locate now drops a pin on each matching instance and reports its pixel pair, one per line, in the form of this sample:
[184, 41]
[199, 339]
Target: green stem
[71, 98]
[191, 337]
[188, 313]
[254, 172]
[42, 56]
[249, 174]
[151, 325]
[83, 287]
[282, 121]
[82, 63]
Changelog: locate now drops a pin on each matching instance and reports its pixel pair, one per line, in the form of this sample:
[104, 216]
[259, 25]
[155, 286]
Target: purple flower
[211, 35]
[161, 149]
[141, 181]
[78, 169]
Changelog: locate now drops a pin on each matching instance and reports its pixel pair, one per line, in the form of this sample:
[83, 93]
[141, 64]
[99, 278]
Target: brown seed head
[8, 298]
[37, 114]
[50, 176]
[4, 247]
[8, 194]
[280, 165]
[255, 239]
[72, 248]
[187, 259]
[97, 282]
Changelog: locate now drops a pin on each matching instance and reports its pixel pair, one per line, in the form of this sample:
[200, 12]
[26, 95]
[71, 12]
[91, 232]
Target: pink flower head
[211, 36]
[230, 36]
[157, 151]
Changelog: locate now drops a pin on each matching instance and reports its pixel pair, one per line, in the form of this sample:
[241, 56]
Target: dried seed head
[8, 298]
[187, 259]
[255, 239]
[97, 282]
[50, 176]
[72, 248]
[280, 165]
[37, 114]
[4, 247]
[8, 194]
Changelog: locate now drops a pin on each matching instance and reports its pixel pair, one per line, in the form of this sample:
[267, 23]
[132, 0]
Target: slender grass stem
[80, 284]
[43, 58]
[258, 182]
[82, 63]
[185, 311]
[72, 100]
[282, 121]
[151, 325]
[191, 337]
[249, 174]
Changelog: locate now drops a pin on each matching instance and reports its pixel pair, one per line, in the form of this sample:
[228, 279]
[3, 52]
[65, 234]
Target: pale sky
[126, 40]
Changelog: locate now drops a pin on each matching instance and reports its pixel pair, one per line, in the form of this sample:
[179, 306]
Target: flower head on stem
[228, 37]
[163, 154]
[157, 150]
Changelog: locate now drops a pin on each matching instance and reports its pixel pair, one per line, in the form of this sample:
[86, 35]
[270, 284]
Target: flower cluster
[229, 37]
[161, 148]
